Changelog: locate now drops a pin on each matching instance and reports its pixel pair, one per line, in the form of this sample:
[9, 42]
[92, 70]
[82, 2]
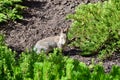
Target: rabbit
[49, 43]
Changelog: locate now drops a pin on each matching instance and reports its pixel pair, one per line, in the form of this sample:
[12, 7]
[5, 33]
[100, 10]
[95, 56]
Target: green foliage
[55, 66]
[97, 27]
[10, 10]
[7, 61]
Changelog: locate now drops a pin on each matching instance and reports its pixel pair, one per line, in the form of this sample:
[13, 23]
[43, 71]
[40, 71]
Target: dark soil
[44, 18]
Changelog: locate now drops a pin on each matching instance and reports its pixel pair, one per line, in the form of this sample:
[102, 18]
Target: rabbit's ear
[61, 30]
[66, 30]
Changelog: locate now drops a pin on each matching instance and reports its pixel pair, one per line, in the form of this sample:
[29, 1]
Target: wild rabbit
[49, 43]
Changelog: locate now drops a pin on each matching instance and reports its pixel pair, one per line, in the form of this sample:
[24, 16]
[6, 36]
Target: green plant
[97, 27]
[10, 10]
[7, 61]
[54, 66]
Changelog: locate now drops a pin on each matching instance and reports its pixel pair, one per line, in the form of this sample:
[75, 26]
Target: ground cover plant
[10, 10]
[97, 27]
[54, 66]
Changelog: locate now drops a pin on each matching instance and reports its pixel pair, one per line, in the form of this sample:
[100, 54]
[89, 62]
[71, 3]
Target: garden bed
[44, 18]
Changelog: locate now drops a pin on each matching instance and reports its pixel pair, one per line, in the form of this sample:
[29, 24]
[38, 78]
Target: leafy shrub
[54, 66]
[7, 61]
[97, 27]
[10, 10]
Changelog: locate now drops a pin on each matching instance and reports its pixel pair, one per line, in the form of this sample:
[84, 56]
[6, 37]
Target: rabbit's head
[63, 37]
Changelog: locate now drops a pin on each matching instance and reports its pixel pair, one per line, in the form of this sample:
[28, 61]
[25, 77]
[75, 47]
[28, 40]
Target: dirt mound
[44, 18]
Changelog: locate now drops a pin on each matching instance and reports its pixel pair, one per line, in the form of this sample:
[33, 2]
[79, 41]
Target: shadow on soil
[34, 4]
